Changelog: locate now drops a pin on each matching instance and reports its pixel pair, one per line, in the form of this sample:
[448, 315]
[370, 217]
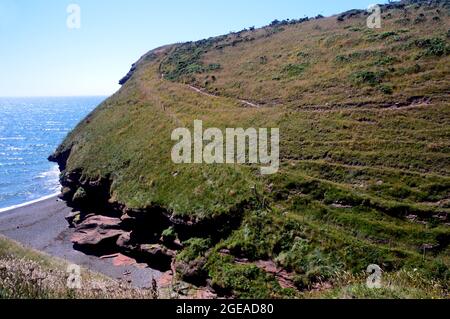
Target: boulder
[128, 221]
[156, 251]
[124, 241]
[98, 232]
[95, 236]
[157, 256]
[192, 271]
[99, 221]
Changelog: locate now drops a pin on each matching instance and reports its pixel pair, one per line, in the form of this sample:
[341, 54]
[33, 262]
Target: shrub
[195, 247]
[169, 234]
[386, 89]
[359, 55]
[342, 58]
[433, 46]
[292, 70]
[214, 66]
[275, 22]
[303, 54]
[381, 36]
[420, 18]
[386, 60]
[354, 29]
[367, 77]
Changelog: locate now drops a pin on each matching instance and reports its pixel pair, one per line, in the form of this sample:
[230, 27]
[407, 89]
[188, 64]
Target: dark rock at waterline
[66, 193]
[60, 158]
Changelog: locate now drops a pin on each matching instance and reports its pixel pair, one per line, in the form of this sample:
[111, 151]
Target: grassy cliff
[364, 120]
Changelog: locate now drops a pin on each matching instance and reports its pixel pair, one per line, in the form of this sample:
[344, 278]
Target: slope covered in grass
[364, 122]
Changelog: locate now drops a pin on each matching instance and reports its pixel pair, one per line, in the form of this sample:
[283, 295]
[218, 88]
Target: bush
[195, 247]
[382, 36]
[214, 66]
[367, 77]
[433, 46]
[386, 60]
[342, 58]
[292, 70]
[359, 55]
[386, 89]
[420, 18]
[169, 234]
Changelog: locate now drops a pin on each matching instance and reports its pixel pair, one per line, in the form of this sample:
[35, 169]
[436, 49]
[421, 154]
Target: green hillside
[364, 119]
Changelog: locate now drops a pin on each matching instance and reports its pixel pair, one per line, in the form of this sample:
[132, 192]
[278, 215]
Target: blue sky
[40, 56]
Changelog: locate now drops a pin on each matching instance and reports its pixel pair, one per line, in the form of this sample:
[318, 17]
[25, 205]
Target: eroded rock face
[157, 255]
[192, 271]
[147, 236]
[66, 193]
[97, 234]
[124, 242]
[95, 237]
[100, 221]
[100, 235]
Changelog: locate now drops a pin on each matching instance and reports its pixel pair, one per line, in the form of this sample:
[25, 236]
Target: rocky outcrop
[97, 234]
[95, 237]
[192, 271]
[150, 236]
[60, 157]
[129, 75]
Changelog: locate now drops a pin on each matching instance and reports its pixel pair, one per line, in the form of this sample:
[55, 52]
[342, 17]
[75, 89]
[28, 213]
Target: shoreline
[34, 201]
[41, 225]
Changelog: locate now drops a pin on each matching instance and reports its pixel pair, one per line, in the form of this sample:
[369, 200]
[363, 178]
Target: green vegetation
[433, 46]
[364, 119]
[367, 77]
[293, 70]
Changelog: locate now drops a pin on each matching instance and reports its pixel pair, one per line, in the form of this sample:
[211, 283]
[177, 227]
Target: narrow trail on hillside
[203, 92]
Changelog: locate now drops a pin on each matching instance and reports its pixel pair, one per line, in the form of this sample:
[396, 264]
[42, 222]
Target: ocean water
[30, 130]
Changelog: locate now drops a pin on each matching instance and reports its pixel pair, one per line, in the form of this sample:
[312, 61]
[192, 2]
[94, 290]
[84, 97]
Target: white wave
[2, 210]
[53, 173]
[17, 138]
[13, 148]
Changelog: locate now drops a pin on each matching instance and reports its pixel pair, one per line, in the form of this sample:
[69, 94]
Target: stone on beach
[97, 230]
[93, 237]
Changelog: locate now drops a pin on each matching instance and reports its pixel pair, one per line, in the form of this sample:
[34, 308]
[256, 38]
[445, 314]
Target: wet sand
[41, 226]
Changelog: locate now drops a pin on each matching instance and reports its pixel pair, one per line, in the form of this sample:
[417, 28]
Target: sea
[30, 130]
